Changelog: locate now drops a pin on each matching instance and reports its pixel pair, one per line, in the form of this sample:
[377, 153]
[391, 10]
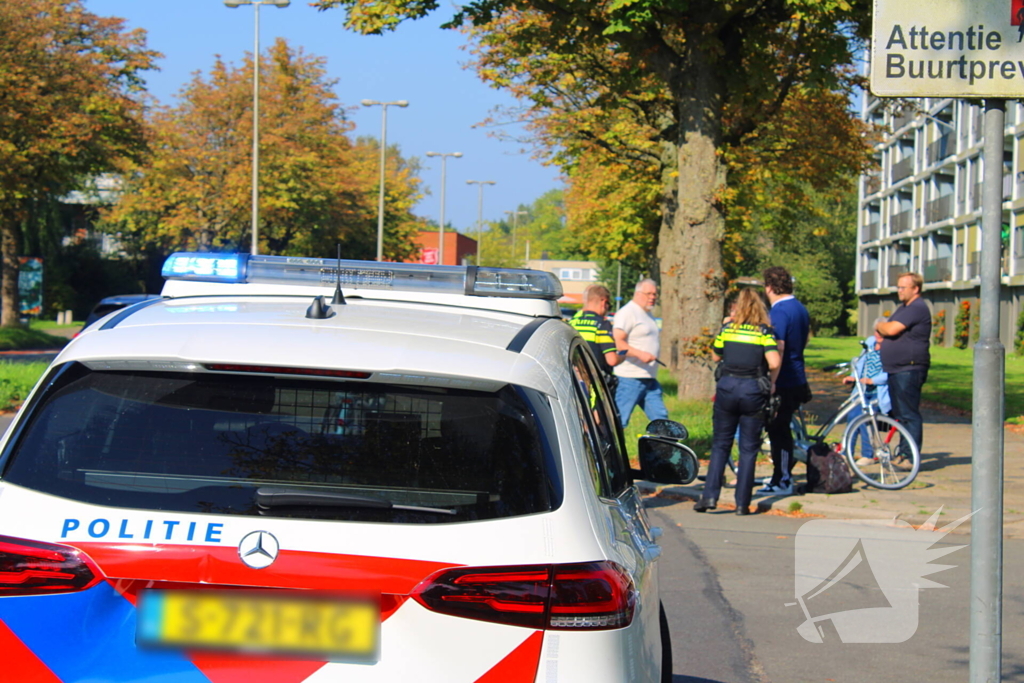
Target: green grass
[795, 507]
[47, 325]
[20, 339]
[16, 380]
[696, 415]
[949, 377]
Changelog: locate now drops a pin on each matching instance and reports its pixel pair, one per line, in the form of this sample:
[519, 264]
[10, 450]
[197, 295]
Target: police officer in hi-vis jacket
[749, 362]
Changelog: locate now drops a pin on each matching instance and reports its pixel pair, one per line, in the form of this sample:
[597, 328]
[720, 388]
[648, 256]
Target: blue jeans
[905, 393]
[867, 450]
[646, 393]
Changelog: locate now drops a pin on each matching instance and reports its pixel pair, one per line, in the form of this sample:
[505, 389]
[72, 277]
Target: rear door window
[600, 424]
[262, 445]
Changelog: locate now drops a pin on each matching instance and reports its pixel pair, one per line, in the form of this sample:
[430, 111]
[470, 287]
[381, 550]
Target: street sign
[948, 48]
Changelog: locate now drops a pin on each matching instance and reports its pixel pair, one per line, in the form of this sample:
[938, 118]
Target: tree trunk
[693, 283]
[10, 315]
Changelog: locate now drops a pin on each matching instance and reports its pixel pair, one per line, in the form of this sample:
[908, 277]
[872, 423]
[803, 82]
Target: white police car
[419, 479]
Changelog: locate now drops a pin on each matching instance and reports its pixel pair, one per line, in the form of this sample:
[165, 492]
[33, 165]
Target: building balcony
[901, 222]
[938, 270]
[938, 209]
[901, 120]
[872, 185]
[902, 169]
[869, 232]
[973, 265]
[894, 272]
[940, 149]
[869, 279]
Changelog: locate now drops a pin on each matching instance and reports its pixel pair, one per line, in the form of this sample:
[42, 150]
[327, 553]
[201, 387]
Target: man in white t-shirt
[637, 339]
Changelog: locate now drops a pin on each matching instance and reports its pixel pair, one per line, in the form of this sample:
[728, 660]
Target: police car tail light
[321, 272]
[34, 568]
[506, 595]
[576, 597]
[592, 596]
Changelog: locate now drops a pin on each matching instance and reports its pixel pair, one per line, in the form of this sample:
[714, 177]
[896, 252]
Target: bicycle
[883, 434]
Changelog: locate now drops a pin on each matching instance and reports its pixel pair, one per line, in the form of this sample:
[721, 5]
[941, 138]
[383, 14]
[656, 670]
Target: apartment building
[920, 210]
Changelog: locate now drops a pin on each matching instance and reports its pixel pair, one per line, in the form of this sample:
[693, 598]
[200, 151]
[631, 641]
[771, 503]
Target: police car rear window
[314, 449]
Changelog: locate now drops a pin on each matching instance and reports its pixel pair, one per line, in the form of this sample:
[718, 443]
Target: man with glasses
[638, 340]
[905, 357]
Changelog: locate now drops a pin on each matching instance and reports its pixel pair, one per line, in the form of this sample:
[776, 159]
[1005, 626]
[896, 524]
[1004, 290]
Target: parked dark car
[114, 303]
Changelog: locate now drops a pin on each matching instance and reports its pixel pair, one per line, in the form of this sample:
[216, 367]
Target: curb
[819, 505]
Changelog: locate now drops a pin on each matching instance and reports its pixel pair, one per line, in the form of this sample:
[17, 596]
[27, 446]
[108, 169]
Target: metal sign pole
[989, 408]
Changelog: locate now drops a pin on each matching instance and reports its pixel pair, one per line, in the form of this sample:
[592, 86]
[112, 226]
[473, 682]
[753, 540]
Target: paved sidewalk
[943, 482]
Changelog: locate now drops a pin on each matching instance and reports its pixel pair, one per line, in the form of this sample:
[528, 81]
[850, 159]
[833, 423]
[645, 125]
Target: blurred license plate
[273, 622]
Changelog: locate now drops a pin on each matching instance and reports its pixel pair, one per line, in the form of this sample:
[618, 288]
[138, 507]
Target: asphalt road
[730, 587]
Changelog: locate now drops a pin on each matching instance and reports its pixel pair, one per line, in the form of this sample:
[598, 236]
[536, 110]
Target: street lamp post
[480, 215]
[383, 152]
[233, 4]
[440, 233]
[515, 226]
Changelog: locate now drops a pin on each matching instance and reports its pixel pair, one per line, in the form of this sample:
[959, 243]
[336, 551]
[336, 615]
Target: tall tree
[725, 68]
[70, 93]
[317, 187]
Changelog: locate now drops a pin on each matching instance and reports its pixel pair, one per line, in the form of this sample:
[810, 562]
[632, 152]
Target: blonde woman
[749, 362]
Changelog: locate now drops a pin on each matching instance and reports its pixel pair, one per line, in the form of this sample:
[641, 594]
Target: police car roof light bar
[292, 270]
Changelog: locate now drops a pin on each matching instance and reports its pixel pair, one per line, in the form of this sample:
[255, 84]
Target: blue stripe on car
[90, 636]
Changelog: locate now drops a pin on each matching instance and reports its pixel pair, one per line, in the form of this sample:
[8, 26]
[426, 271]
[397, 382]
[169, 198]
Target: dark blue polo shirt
[909, 349]
[792, 325]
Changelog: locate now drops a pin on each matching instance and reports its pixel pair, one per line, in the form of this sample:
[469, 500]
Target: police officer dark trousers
[749, 362]
[738, 400]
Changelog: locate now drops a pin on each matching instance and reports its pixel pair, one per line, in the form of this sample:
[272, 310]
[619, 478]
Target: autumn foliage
[318, 188]
[675, 122]
[70, 97]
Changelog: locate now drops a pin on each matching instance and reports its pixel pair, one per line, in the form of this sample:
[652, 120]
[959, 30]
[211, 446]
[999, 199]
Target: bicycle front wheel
[881, 452]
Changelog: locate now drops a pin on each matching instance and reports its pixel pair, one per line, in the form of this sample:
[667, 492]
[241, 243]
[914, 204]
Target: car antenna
[318, 310]
[339, 298]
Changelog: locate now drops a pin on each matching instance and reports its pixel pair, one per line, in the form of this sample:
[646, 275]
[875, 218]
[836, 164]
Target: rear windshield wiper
[271, 497]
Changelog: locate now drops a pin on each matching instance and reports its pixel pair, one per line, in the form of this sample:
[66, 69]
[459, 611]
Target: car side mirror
[669, 428]
[664, 458]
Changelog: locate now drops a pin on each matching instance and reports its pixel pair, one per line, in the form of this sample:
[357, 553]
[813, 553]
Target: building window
[578, 274]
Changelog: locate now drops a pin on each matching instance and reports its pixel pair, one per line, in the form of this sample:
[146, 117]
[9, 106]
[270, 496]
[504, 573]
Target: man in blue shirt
[906, 358]
[792, 327]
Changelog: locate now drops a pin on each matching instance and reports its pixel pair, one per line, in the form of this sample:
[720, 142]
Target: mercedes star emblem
[258, 549]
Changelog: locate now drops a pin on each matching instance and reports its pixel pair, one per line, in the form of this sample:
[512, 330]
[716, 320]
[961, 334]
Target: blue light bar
[354, 275]
[205, 267]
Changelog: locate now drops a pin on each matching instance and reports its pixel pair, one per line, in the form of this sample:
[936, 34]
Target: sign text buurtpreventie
[948, 48]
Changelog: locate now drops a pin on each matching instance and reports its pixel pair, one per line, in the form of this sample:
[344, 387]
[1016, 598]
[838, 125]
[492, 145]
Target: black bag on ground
[827, 471]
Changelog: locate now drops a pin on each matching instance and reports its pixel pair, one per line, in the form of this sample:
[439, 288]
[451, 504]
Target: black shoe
[704, 505]
[745, 510]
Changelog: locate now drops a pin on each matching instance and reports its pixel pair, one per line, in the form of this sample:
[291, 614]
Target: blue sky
[419, 62]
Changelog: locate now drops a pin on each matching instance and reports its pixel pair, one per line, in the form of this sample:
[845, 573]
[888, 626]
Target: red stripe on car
[227, 669]
[292, 569]
[518, 666]
[19, 662]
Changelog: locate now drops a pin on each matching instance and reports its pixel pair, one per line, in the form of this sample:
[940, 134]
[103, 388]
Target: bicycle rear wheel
[873, 445]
